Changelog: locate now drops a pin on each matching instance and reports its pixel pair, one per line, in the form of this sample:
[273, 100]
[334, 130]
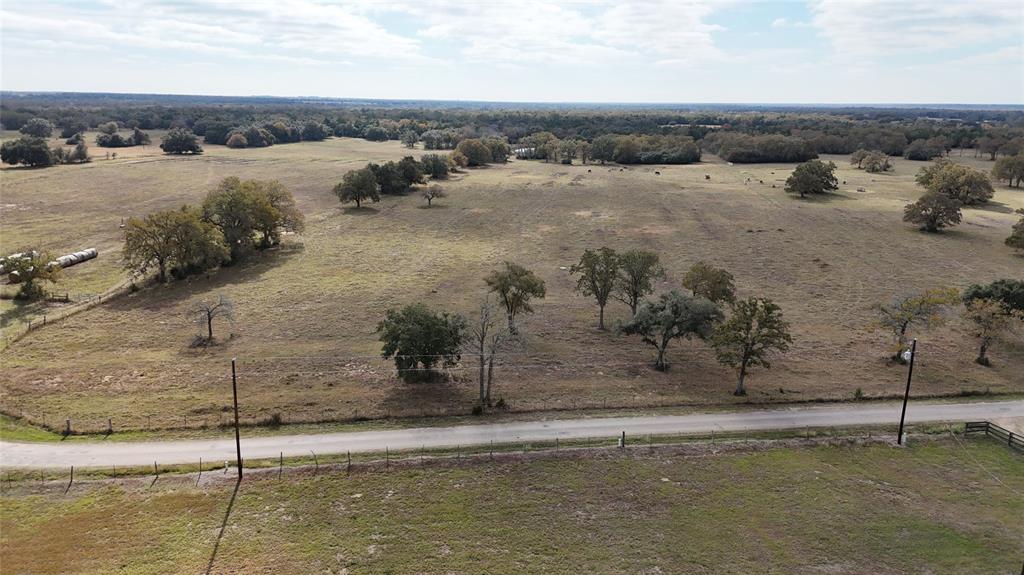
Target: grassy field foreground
[936, 507]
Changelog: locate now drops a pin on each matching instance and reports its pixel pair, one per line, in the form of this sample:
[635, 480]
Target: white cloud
[785, 23]
[885, 27]
[290, 31]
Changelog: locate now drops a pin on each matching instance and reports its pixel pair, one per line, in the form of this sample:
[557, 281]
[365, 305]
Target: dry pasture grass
[306, 314]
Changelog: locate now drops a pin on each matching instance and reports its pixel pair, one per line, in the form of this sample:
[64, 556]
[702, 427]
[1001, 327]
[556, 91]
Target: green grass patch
[934, 507]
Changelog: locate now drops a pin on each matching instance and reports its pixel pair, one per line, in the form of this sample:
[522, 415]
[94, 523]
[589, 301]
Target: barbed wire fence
[457, 399]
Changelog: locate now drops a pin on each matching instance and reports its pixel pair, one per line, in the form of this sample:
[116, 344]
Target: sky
[708, 51]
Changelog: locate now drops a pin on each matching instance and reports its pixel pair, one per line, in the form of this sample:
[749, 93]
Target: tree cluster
[989, 310]
[1016, 239]
[180, 141]
[110, 138]
[753, 330]
[235, 218]
[261, 135]
[35, 152]
[926, 149]
[1010, 169]
[473, 152]
[748, 149]
[388, 179]
[873, 161]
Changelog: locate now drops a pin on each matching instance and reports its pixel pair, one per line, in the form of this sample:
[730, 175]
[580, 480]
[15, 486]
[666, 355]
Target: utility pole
[906, 394]
[238, 440]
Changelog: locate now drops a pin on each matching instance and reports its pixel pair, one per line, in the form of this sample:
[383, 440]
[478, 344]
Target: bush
[38, 128]
[476, 152]
[105, 140]
[420, 339]
[375, 134]
[180, 141]
[28, 151]
[315, 131]
[435, 166]
[237, 140]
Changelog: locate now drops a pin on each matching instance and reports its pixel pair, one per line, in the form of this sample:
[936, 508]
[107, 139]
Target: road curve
[100, 454]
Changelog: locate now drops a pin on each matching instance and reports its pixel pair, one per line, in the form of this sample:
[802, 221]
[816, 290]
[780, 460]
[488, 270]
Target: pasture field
[304, 332]
[939, 506]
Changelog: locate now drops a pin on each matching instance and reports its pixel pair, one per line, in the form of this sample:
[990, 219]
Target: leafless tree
[487, 338]
[204, 312]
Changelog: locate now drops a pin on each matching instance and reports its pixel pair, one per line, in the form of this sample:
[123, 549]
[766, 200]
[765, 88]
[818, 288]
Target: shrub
[38, 128]
[237, 140]
[28, 151]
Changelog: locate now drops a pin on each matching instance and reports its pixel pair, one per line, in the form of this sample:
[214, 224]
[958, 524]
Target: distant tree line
[912, 133]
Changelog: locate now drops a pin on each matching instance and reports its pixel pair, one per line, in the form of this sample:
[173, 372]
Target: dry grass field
[306, 314]
[938, 506]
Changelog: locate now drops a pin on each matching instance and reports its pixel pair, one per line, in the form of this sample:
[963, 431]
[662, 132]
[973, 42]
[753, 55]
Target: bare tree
[433, 192]
[487, 338]
[204, 312]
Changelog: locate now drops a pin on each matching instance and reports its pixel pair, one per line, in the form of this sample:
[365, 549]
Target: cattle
[707, 176]
[657, 173]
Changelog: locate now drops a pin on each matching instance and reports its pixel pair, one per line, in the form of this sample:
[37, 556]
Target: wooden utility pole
[906, 394]
[238, 441]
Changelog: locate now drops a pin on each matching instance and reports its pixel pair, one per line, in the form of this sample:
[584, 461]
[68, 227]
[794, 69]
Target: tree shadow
[991, 206]
[433, 207]
[428, 397]
[21, 308]
[825, 198]
[223, 526]
[157, 296]
[360, 211]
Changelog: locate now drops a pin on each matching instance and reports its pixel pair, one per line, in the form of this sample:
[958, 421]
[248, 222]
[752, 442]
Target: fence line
[1011, 439]
[88, 301]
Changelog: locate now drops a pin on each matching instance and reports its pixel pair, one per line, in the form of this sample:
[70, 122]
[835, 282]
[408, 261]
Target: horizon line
[927, 105]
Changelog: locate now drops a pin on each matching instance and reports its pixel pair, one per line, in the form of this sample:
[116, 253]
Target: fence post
[110, 426]
[71, 480]
[387, 457]
[67, 427]
[316, 463]
[348, 467]
[200, 476]
[280, 465]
